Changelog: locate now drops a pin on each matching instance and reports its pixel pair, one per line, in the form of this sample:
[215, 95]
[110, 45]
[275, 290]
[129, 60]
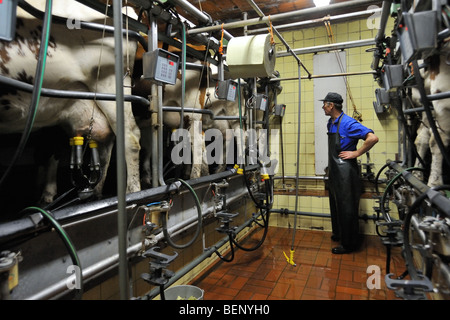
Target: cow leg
[105, 152]
[198, 150]
[145, 157]
[49, 175]
[132, 137]
[436, 177]
[438, 82]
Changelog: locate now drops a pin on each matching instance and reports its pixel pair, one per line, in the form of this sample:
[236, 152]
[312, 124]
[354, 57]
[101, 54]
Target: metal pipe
[92, 271]
[302, 213]
[192, 10]
[324, 76]
[439, 200]
[53, 93]
[298, 15]
[120, 154]
[202, 111]
[381, 34]
[298, 157]
[206, 254]
[23, 228]
[438, 96]
[329, 47]
[302, 177]
[198, 14]
[83, 24]
[154, 108]
[261, 14]
[185, 224]
[310, 23]
[314, 214]
[59, 288]
[160, 138]
[385, 11]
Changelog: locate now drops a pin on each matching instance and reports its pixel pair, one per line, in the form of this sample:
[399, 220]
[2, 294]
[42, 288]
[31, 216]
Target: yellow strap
[221, 42]
[271, 32]
[290, 259]
[356, 114]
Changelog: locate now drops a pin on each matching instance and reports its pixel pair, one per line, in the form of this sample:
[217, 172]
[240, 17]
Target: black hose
[383, 198]
[161, 292]
[199, 224]
[231, 248]
[378, 176]
[263, 238]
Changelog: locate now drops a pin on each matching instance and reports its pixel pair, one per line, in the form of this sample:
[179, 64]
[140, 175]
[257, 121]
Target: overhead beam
[298, 14]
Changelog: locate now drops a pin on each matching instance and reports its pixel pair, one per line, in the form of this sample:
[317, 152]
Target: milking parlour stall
[144, 143]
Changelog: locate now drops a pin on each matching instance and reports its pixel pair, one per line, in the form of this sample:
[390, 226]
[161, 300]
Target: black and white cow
[436, 80]
[77, 60]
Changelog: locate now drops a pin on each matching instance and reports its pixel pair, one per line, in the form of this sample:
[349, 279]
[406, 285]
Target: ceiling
[231, 10]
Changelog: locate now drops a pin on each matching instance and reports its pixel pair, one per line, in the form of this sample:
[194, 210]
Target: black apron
[344, 192]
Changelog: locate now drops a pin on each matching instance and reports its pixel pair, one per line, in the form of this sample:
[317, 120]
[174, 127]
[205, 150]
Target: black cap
[333, 97]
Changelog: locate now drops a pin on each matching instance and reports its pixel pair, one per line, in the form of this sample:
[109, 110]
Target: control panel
[226, 90]
[161, 66]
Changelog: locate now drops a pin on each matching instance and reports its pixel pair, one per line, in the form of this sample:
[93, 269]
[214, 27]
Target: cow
[220, 107]
[436, 76]
[77, 60]
[200, 94]
[219, 119]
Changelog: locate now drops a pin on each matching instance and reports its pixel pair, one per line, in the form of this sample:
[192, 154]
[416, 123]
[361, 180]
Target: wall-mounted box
[8, 13]
[161, 66]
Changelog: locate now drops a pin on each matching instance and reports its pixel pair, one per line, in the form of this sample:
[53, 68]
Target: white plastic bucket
[183, 292]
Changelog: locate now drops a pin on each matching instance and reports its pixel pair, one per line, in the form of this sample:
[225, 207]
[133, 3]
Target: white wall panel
[326, 63]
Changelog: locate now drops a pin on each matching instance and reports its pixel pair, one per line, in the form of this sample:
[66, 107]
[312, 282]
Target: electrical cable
[199, 224]
[67, 242]
[40, 69]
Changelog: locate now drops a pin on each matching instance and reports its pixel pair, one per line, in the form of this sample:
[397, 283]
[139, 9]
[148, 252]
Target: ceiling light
[321, 3]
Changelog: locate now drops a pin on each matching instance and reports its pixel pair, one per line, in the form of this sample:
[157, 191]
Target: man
[344, 133]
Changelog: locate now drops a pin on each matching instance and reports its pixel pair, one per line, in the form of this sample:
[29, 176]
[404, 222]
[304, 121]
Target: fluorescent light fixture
[321, 3]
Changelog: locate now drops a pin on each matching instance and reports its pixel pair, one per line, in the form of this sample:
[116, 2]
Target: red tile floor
[264, 274]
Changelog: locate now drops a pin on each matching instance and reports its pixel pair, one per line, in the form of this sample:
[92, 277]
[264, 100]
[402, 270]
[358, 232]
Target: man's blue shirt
[350, 131]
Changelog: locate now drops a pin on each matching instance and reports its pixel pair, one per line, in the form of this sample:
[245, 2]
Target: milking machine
[87, 247]
[421, 228]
